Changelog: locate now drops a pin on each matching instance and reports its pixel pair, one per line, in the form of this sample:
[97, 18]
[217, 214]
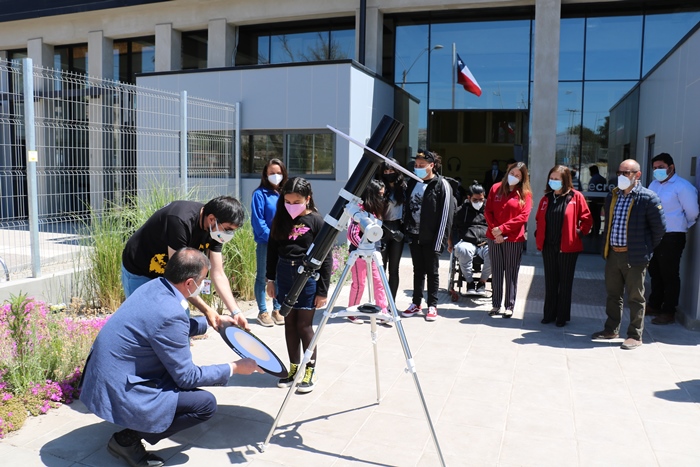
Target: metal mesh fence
[101, 144]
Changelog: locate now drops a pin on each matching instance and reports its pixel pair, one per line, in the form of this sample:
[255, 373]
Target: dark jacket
[436, 212]
[469, 224]
[646, 224]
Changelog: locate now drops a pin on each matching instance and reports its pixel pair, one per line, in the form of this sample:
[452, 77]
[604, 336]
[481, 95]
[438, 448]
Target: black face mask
[390, 178]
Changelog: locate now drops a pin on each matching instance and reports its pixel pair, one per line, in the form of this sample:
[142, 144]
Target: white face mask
[477, 204]
[198, 290]
[275, 179]
[219, 235]
[512, 180]
[623, 182]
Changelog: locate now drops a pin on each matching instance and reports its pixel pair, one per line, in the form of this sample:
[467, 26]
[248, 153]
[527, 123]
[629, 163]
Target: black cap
[427, 155]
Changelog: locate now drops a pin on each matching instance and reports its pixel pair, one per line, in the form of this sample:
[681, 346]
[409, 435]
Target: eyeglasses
[626, 173]
[227, 232]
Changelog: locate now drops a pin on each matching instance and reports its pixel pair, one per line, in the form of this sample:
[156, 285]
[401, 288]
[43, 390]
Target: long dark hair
[265, 183]
[372, 201]
[398, 190]
[282, 222]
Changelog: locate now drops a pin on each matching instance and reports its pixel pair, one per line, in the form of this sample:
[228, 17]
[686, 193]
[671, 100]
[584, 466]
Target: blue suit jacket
[141, 357]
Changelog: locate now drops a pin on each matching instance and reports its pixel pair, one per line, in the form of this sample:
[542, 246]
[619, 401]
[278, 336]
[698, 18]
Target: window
[134, 56]
[308, 154]
[307, 41]
[194, 50]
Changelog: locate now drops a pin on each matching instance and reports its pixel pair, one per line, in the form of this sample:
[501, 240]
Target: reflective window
[194, 49]
[571, 49]
[568, 123]
[133, 56]
[613, 47]
[411, 57]
[310, 154]
[257, 149]
[662, 33]
[312, 46]
[263, 50]
[72, 58]
[498, 55]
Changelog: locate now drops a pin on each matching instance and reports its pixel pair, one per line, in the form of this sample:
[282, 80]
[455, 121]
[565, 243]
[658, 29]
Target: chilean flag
[466, 79]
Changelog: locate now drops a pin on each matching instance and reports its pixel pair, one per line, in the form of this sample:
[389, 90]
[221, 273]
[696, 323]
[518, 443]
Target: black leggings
[298, 330]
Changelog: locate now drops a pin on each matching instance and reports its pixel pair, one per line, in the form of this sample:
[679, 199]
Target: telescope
[380, 143]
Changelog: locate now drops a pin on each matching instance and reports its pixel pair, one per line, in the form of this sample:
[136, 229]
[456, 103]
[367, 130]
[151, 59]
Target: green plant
[340, 258]
[240, 262]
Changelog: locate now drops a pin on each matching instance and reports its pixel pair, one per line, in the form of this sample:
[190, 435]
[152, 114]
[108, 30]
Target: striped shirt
[618, 232]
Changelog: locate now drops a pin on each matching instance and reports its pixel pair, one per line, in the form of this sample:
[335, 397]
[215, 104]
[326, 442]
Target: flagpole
[454, 75]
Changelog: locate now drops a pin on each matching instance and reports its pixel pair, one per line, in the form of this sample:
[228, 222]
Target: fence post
[183, 142]
[32, 158]
[237, 149]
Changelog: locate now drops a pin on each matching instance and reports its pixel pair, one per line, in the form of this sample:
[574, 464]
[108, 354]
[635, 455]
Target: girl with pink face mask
[296, 224]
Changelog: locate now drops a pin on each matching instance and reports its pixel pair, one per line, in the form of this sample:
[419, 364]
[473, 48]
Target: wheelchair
[457, 279]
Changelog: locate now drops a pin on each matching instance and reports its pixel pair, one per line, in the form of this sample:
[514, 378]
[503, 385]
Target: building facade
[550, 72]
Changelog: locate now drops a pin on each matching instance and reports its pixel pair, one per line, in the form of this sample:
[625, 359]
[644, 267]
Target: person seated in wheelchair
[469, 230]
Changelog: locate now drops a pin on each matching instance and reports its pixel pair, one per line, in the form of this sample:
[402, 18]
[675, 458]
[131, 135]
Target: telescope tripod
[367, 251]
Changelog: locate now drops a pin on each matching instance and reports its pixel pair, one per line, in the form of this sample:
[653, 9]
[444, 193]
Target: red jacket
[506, 213]
[577, 217]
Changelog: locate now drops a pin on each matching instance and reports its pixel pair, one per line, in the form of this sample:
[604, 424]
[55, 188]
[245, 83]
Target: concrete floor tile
[543, 421]
[464, 411]
[552, 395]
[607, 453]
[466, 445]
[367, 452]
[407, 403]
[673, 437]
[495, 392]
[535, 451]
[620, 406]
[675, 459]
[627, 431]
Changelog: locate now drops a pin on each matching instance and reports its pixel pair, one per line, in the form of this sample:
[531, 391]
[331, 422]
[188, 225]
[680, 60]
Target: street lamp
[405, 72]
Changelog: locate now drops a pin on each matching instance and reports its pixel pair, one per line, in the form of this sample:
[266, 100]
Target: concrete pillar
[544, 103]
[373, 39]
[221, 43]
[100, 55]
[3, 55]
[40, 53]
[168, 48]
[101, 145]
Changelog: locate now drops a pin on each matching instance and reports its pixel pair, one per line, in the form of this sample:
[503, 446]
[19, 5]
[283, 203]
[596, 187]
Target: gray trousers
[618, 276]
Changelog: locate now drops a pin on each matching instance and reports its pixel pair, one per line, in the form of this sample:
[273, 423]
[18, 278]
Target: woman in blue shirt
[262, 211]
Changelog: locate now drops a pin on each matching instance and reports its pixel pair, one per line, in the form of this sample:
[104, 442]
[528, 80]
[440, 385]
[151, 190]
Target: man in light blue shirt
[679, 199]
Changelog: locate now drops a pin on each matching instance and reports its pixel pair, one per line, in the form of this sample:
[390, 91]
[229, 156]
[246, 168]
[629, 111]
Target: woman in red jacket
[562, 217]
[507, 209]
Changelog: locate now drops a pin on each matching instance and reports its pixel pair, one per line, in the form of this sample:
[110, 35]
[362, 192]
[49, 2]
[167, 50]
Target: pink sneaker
[432, 314]
[412, 310]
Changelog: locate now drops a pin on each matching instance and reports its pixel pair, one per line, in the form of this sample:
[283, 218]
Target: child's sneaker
[432, 314]
[385, 318]
[286, 382]
[309, 382]
[354, 319]
[412, 310]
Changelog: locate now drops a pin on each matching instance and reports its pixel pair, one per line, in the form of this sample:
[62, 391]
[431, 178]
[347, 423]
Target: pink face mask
[295, 210]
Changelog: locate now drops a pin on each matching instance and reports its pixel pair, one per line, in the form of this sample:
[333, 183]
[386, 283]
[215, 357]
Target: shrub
[240, 261]
[340, 258]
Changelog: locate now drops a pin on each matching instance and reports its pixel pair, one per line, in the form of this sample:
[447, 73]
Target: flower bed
[42, 352]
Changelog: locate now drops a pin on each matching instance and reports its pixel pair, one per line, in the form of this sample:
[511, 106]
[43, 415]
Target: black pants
[559, 271]
[391, 256]
[193, 408]
[664, 270]
[426, 262]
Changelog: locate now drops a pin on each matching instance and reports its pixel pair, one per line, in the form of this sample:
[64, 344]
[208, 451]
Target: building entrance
[469, 140]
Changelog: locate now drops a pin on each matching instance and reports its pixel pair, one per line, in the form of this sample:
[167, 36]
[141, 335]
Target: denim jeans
[261, 280]
[131, 282]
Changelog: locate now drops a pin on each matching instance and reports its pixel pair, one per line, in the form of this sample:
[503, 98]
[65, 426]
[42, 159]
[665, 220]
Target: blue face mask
[660, 174]
[555, 185]
[421, 173]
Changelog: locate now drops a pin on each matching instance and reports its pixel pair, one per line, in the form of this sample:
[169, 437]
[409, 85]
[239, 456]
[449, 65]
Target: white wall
[669, 108]
[295, 97]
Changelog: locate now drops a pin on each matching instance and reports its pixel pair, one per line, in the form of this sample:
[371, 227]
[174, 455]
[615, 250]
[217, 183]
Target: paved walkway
[500, 393]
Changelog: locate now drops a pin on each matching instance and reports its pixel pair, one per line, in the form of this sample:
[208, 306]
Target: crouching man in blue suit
[140, 373]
